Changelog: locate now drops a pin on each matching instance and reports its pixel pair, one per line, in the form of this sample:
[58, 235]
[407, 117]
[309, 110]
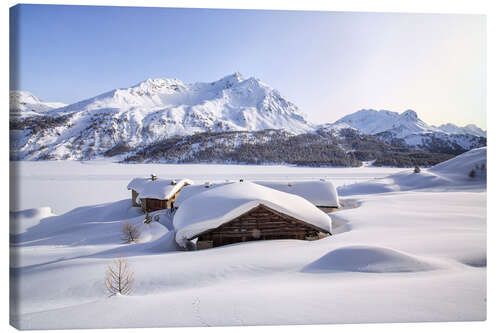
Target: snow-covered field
[406, 247]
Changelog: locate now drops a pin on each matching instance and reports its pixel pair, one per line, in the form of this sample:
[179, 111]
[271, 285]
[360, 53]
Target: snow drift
[368, 259]
[21, 220]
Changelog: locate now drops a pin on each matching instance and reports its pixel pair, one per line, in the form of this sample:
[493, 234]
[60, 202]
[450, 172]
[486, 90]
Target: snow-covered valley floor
[408, 247]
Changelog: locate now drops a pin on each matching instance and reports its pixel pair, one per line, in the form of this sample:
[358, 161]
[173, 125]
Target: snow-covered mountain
[25, 104]
[169, 107]
[407, 129]
[157, 109]
[373, 122]
[130, 119]
[468, 129]
[399, 124]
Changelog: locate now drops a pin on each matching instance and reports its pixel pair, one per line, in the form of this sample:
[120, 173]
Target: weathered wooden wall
[260, 223]
[134, 199]
[150, 205]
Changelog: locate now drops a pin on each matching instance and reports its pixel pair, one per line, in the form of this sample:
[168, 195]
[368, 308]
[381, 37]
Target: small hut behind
[161, 193]
[322, 193]
[245, 211]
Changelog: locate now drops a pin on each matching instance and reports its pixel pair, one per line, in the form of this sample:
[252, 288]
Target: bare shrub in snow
[119, 277]
[130, 233]
[416, 170]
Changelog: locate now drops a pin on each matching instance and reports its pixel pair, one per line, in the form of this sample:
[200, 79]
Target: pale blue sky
[328, 63]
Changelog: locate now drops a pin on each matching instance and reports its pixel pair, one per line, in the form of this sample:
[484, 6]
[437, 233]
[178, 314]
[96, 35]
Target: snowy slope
[25, 104]
[461, 165]
[160, 108]
[453, 174]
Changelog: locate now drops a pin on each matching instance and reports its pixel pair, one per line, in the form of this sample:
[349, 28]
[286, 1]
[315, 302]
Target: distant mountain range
[125, 122]
[24, 104]
[408, 130]
[400, 124]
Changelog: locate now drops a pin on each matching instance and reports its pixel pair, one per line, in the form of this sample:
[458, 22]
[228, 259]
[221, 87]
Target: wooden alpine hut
[321, 193]
[245, 211]
[161, 193]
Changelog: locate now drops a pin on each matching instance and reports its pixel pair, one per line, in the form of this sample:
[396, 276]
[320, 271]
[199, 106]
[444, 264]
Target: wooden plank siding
[260, 223]
[150, 205]
[134, 199]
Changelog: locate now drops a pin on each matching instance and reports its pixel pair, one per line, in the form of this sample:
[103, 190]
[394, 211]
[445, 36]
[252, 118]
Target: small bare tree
[119, 277]
[130, 233]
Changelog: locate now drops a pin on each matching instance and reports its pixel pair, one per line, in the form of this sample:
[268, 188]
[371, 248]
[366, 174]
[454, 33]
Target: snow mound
[21, 220]
[88, 225]
[462, 164]
[367, 259]
[212, 208]
[164, 244]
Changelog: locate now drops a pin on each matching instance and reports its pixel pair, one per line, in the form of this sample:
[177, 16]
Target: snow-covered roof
[137, 184]
[212, 208]
[188, 192]
[320, 193]
[163, 189]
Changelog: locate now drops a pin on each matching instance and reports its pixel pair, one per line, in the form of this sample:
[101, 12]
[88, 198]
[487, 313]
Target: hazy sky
[328, 63]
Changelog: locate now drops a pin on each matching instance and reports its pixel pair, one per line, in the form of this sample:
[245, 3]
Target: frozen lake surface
[64, 185]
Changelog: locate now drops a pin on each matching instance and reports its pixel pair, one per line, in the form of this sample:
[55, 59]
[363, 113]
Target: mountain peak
[24, 103]
[238, 76]
[152, 86]
[410, 114]
[20, 96]
[230, 80]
